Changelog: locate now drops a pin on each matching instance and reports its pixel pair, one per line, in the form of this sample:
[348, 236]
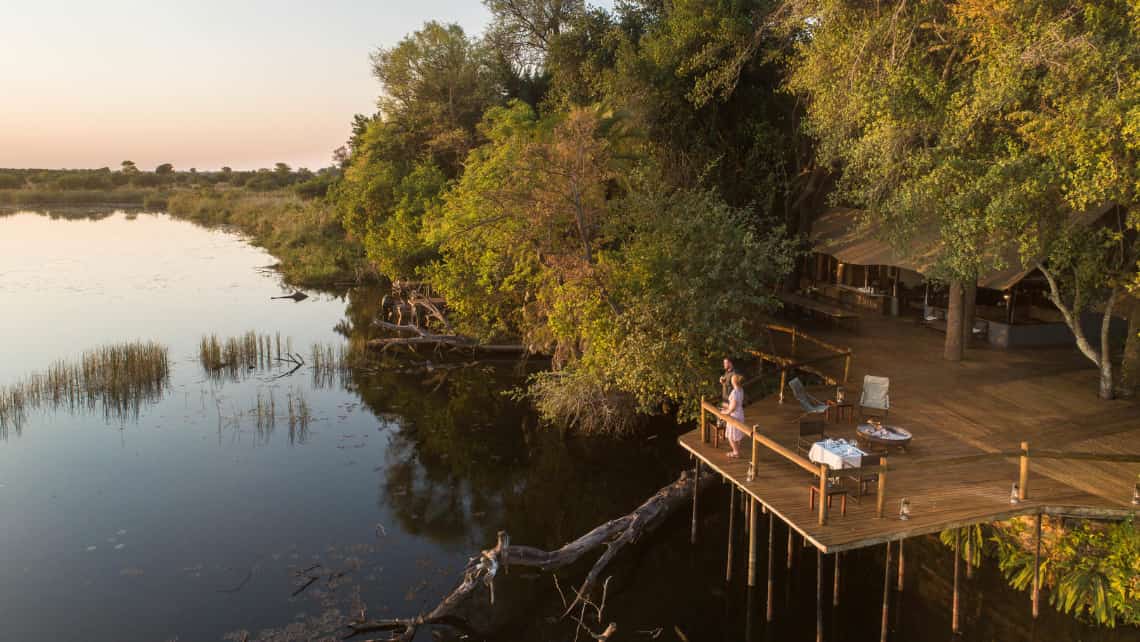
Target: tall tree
[983, 122]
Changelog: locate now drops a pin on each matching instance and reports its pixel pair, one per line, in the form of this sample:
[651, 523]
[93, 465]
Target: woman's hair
[737, 380]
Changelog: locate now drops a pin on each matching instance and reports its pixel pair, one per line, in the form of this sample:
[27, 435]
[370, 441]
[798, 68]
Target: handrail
[796, 332]
[766, 441]
[758, 439]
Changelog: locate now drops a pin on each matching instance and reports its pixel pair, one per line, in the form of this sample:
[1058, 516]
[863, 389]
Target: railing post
[793, 341]
[846, 366]
[881, 496]
[783, 382]
[704, 425]
[822, 494]
[755, 462]
[1023, 476]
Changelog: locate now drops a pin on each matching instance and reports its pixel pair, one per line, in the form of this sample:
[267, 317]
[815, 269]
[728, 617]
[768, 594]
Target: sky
[196, 83]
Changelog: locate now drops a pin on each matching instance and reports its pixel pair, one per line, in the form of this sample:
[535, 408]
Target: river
[193, 518]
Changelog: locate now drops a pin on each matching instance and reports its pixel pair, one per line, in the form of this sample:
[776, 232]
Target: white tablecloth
[836, 454]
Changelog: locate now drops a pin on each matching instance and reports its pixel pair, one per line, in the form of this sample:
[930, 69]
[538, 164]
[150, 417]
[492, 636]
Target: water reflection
[118, 379]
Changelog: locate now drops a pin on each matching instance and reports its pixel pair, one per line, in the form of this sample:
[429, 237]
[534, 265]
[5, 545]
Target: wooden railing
[1022, 454]
[785, 363]
[822, 470]
[759, 439]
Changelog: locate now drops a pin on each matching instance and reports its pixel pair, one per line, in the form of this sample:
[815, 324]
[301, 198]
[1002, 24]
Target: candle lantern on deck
[1014, 495]
[751, 471]
[1136, 494]
[840, 394]
[904, 509]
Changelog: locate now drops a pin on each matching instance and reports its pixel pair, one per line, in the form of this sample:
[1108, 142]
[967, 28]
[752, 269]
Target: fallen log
[425, 337]
[612, 536]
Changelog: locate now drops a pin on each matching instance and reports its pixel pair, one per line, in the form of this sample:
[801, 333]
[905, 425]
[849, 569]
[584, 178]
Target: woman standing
[735, 409]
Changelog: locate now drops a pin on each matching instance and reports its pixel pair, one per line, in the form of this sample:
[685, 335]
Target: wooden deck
[987, 404]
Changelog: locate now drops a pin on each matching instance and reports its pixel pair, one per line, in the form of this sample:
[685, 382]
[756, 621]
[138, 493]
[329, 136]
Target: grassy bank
[126, 196]
[305, 236]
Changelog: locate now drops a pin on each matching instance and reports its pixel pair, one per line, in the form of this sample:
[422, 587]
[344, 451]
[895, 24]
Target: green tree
[977, 120]
[129, 168]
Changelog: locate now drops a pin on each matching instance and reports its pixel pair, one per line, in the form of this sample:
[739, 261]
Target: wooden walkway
[987, 404]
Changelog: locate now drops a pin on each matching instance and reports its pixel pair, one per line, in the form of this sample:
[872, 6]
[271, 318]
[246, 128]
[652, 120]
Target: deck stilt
[957, 566]
[696, 494]
[835, 581]
[902, 565]
[1037, 571]
[886, 595]
[818, 595]
[752, 544]
[731, 530]
[791, 536]
[771, 560]
[969, 556]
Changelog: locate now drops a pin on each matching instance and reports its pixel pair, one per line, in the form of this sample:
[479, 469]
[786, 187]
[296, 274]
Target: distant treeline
[20, 186]
[281, 209]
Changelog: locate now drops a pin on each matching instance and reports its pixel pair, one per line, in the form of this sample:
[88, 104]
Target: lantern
[1014, 496]
[904, 509]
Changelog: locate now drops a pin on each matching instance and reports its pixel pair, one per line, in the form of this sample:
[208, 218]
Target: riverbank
[304, 235]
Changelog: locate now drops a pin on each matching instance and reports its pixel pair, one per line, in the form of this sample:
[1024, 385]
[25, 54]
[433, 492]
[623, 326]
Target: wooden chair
[833, 491]
[812, 429]
[863, 480]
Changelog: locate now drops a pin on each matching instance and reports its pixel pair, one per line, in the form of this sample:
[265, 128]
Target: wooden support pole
[752, 544]
[886, 595]
[731, 529]
[791, 534]
[846, 366]
[822, 494]
[704, 433]
[1037, 571]
[771, 560]
[1023, 473]
[969, 556]
[835, 581]
[881, 495]
[794, 341]
[818, 595]
[696, 494]
[957, 566]
[783, 382]
[902, 565]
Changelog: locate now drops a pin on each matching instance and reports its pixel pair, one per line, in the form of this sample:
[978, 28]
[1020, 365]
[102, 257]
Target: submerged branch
[613, 536]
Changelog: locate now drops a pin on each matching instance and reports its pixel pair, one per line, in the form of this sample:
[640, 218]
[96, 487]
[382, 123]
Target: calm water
[193, 522]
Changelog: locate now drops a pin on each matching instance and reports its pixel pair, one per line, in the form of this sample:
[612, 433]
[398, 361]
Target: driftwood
[612, 537]
[424, 337]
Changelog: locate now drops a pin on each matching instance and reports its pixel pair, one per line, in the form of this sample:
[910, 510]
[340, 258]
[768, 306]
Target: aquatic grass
[254, 354]
[249, 352]
[119, 378]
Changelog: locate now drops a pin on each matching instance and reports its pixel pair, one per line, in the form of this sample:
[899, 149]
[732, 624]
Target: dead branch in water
[428, 338]
[612, 536]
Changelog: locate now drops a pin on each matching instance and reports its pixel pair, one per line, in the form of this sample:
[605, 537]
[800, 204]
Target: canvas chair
[810, 404]
[875, 394]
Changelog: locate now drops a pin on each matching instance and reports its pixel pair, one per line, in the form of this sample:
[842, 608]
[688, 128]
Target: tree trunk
[1130, 369]
[953, 347]
[1103, 358]
[969, 307]
[1107, 385]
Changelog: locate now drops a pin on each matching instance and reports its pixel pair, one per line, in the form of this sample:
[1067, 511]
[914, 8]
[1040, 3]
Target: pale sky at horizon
[198, 84]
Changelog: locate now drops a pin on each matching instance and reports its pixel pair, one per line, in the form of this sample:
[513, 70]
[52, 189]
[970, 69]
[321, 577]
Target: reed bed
[120, 378]
[259, 354]
[249, 352]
